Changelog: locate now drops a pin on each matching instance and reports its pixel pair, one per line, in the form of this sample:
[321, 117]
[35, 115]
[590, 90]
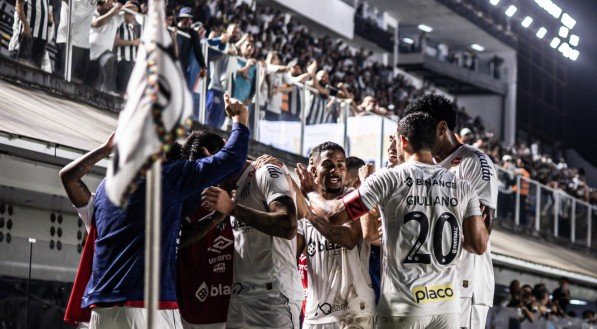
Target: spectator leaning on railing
[30, 31]
[102, 67]
[126, 44]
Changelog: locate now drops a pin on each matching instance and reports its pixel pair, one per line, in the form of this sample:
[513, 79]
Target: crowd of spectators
[535, 303]
[104, 49]
[526, 160]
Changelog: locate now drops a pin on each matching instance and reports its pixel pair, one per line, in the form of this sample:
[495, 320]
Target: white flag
[153, 112]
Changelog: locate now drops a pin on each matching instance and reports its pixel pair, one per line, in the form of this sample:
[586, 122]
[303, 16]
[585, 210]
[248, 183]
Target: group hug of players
[239, 235]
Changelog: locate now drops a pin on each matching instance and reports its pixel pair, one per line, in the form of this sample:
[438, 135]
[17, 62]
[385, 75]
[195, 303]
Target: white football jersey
[339, 283]
[423, 207]
[264, 265]
[475, 272]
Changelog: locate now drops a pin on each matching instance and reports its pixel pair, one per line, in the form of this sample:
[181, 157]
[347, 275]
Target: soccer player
[353, 164]
[205, 252]
[425, 212]
[115, 289]
[339, 293]
[476, 280]
[266, 289]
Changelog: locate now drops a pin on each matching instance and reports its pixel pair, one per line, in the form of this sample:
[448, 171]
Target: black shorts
[32, 50]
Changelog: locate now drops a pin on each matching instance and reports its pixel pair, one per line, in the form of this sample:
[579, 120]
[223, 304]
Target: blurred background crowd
[106, 35]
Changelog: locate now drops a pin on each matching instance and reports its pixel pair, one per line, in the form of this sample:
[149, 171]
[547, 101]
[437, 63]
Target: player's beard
[336, 191]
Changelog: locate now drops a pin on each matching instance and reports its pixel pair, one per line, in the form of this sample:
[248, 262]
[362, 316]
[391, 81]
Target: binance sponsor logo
[431, 294]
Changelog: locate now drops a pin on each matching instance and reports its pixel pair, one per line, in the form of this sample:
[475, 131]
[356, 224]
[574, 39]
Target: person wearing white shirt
[81, 26]
[102, 66]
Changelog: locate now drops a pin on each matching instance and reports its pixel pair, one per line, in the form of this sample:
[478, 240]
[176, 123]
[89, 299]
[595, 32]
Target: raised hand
[236, 110]
[215, 199]
[365, 171]
[267, 159]
[306, 180]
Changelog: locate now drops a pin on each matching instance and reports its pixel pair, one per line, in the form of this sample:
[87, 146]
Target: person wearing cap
[126, 44]
[189, 49]
[466, 136]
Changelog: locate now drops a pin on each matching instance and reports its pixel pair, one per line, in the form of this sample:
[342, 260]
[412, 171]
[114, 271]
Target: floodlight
[511, 11]
[494, 2]
[541, 33]
[574, 54]
[555, 42]
[574, 40]
[408, 40]
[526, 22]
[564, 32]
[568, 21]
[425, 28]
[477, 47]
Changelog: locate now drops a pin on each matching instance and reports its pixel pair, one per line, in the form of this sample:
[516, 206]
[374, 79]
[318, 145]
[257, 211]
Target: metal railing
[530, 205]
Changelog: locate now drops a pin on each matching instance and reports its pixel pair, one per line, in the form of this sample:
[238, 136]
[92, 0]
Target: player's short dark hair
[419, 129]
[439, 107]
[354, 163]
[191, 150]
[325, 146]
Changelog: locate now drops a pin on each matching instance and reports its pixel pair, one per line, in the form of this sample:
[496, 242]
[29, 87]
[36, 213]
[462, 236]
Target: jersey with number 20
[423, 207]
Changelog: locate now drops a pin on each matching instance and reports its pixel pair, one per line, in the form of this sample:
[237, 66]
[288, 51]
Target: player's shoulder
[269, 171]
[470, 156]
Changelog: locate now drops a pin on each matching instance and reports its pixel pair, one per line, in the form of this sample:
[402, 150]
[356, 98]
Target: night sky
[582, 81]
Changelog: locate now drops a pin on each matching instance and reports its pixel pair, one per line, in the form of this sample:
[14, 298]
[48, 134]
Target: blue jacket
[118, 262]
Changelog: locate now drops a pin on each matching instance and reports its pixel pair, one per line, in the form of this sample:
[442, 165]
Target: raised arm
[280, 219]
[198, 174]
[105, 18]
[347, 235]
[71, 175]
[220, 204]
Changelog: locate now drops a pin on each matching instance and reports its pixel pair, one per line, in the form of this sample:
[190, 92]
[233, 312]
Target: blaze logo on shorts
[431, 294]
[220, 243]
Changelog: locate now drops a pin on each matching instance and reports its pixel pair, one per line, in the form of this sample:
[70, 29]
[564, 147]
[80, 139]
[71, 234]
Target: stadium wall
[341, 22]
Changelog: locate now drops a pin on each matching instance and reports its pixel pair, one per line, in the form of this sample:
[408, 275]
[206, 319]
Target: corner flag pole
[153, 206]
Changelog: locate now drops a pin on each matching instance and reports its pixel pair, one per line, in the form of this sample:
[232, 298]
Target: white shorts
[266, 312]
[131, 318]
[472, 316]
[441, 321]
[365, 322]
[187, 325]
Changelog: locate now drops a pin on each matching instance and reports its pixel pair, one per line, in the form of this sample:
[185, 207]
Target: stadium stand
[539, 193]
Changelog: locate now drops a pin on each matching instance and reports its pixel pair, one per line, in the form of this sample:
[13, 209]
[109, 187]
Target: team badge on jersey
[456, 161]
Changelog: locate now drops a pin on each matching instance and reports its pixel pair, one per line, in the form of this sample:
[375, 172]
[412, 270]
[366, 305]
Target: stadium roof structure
[534, 256]
[449, 26]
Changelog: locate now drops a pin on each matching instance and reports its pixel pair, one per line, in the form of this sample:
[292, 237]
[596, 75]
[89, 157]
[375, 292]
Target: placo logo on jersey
[456, 161]
[205, 291]
[220, 243]
[431, 294]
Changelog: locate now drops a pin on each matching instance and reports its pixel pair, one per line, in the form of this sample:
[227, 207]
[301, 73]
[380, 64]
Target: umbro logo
[409, 181]
[220, 243]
